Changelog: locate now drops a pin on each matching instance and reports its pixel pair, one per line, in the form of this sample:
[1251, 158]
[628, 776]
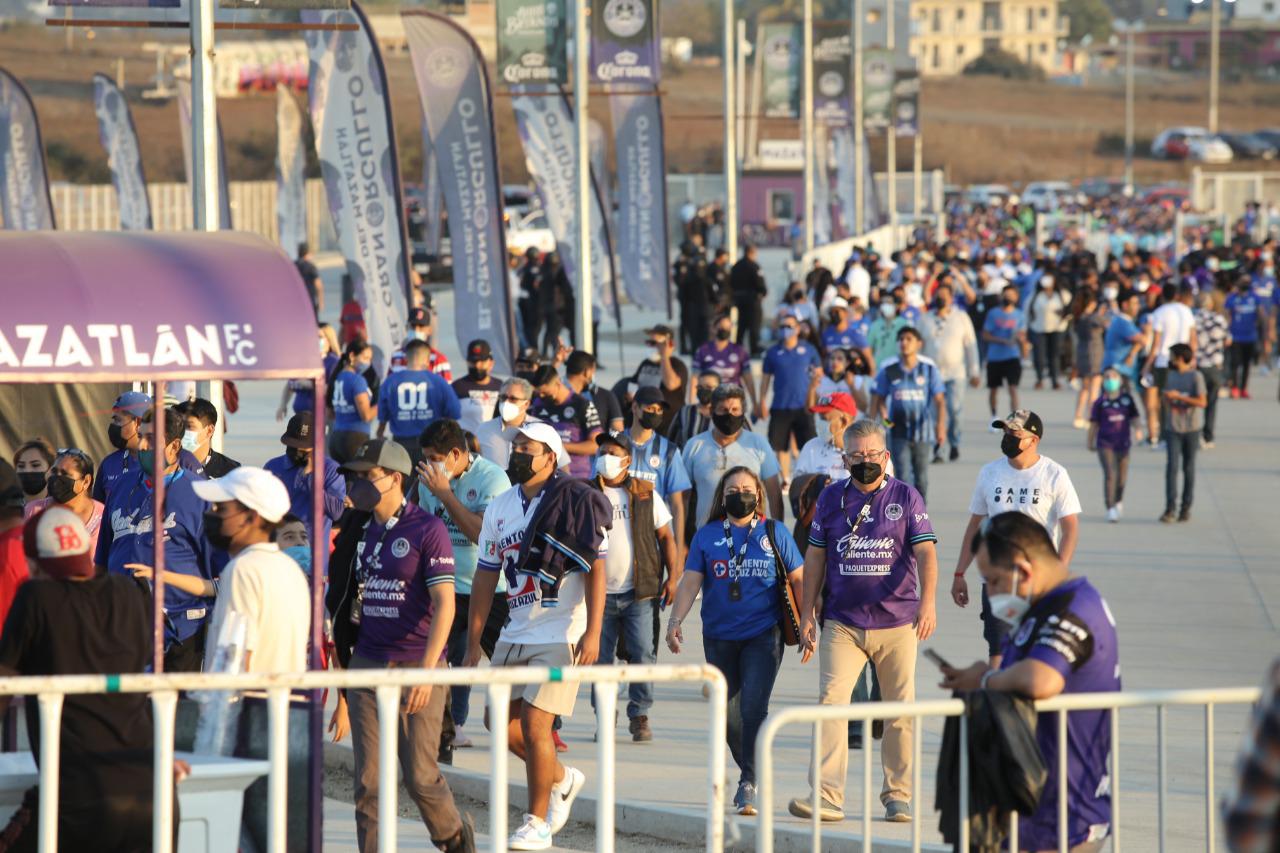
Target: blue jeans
[750, 666]
[634, 621]
[911, 462]
[955, 406]
[1181, 450]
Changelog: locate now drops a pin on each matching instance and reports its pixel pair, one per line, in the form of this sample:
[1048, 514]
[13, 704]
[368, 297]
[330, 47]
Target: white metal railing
[1062, 705]
[387, 684]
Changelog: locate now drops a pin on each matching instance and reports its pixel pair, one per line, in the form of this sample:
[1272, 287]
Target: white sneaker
[460, 739]
[533, 834]
[1080, 423]
[993, 428]
[562, 796]
[1074, 383]
[1112, 515]
[1120, 509]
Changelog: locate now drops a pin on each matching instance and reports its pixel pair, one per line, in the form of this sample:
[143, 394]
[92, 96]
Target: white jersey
[1043, 491]
[528, 621]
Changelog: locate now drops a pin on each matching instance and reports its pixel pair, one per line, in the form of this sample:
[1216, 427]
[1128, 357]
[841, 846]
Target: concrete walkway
[1197, 605]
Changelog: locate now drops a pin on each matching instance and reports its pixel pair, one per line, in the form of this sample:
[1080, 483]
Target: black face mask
[115, 436]
[723, 334]
[865, 473]
[61, 488]
[740, 504]
[1010, 445]
[476, 374]
[297, 456]
[520, 467]
[1009, 303]
[213, 530]
[728, 424]
[704, 395]
[364, 495]
[32, 482]
[651, 420]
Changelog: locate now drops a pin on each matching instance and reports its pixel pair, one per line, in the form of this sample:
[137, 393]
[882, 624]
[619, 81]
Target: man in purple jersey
[1062, 640]
[730, 361]
[872, 546]
[574, 417]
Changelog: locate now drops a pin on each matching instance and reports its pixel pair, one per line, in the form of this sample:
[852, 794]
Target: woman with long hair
[354, 406]
[70, 483]
[735, 561]
[302, 390]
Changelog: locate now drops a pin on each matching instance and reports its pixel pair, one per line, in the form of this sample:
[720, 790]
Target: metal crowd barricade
[1060, 705]
[387, 685]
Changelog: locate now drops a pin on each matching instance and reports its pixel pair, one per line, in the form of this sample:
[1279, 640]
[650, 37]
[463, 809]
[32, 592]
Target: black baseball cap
[621, 438]
[1023, 420]
[381, 453]
[660, 329]
[479, 350]
[297, 433]
[529, 355]
[419, 317]
[649, 395]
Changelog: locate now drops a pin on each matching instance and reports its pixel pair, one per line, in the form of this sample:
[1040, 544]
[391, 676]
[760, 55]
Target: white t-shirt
[1176, 324]
[528, 622]
[618, 563]
[1043, 491]
[270, 590]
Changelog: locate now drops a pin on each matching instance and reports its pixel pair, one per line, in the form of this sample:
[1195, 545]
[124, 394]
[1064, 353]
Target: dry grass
[978, 129]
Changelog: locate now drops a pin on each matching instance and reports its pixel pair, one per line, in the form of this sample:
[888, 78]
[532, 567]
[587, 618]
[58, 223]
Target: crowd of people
[541, 519]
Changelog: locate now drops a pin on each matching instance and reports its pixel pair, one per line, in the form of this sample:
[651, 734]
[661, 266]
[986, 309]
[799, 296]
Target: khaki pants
[842, 653]
[419, 743]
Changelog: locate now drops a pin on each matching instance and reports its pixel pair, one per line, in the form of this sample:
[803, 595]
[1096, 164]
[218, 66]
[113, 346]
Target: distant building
[946, 35]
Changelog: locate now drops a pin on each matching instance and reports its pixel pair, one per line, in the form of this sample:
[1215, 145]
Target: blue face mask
[1110, 385]
[788, 332]
[190, 441]
[301, 555]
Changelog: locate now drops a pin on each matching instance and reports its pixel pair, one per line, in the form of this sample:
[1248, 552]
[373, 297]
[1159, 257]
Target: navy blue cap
[134, 403]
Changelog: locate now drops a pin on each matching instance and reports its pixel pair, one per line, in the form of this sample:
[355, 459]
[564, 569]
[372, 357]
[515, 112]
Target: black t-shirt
[97, 626]
[607, 405]
[649, 375]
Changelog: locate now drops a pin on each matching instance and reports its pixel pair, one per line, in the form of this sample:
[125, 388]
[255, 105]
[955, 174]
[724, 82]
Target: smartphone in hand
[938, 660]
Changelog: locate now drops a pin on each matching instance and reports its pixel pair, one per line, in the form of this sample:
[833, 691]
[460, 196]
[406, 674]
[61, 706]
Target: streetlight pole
[806, 121]
[1215, 37]
[859, 141]
[891, 134]
[1129, 28]
[730, 138]
[581, 83]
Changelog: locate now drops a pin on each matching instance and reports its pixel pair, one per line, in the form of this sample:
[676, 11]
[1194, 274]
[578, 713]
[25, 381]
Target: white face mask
[1110, 294]
[611, 467]
[888, 309]
[441, 468]
[509, 411]
[190, 441]
[1009, 607]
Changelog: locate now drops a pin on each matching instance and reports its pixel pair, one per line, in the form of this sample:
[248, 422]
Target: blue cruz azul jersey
[411, 399]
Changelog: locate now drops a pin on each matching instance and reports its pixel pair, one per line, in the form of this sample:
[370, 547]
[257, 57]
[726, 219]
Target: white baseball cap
[57, 540]
[545, 433]
[259, 490]
[839, 302]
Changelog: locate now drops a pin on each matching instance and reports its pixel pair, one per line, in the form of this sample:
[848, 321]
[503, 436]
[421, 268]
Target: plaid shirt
[1253, 813]
[1211, 338]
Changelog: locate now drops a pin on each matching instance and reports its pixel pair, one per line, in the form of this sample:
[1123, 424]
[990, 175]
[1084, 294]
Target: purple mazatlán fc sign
[356, 144]
[454, 89]
[624, 43]
[120, 139]
[25, 204]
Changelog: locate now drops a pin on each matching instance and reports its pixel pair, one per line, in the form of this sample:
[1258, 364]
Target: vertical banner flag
[831, 67]
[906, 103]
[780, 55]
[821, 188]
[625, 55]
[291, 178]
[25, 203]
[120, 139]
[624, 42]
[184, 123]
[545, 122]
[532, 35]
[877, 89]
[356, 144]
[453, 86]
[846, 179]
[432, 200]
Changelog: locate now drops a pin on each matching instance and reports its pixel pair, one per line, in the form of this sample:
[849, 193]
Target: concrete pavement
[1197, 605]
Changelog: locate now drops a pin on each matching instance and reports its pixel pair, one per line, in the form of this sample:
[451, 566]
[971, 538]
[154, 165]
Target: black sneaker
[1168, 517]
[955, 454]
[1185, 515]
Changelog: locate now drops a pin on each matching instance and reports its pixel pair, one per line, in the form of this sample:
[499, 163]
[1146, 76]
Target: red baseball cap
[837, 402]
[56, 539]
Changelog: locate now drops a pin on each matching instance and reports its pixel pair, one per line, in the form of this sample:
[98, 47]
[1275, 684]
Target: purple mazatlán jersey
[871, 574]
[576, 419]
[728, 362]
[398, 563]
[1114, 417]
[1071, 629]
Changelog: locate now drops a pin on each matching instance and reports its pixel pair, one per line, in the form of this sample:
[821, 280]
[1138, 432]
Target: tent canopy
[127, 307]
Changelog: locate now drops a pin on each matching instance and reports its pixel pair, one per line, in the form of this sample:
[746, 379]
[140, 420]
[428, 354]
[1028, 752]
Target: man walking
[493, 436]
[726, 445]
[1005, 333]
[872, 559]
[910, 395]
[539, 633]
[1184, 395]
[642, 552]
[1026, 482]
[746, 283]
[790, 364]
[412, 398]
[391, 596]
[952, 344]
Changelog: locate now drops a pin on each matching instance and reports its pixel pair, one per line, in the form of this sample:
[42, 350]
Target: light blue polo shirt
[706, 462]
[660, 462]
[475, 489]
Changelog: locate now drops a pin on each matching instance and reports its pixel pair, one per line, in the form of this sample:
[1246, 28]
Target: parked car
[1047, 196]
[988, 194]
[1195, 143]
[1095, 189]
[1250, 146]
[527, 230]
